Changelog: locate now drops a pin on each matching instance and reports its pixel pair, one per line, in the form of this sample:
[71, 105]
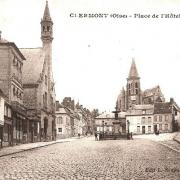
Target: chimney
[57, 105]
[171, 100]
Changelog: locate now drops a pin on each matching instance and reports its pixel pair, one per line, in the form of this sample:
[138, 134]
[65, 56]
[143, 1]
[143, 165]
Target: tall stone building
[133, 95]
[38, 83]
[11, 65]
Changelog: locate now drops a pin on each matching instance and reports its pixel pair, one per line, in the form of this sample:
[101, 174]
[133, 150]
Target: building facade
[139, 120]
[11, 65]
[63, 122]
[38, 84]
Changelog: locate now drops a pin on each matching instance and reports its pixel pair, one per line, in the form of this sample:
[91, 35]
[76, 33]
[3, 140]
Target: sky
[92, 56]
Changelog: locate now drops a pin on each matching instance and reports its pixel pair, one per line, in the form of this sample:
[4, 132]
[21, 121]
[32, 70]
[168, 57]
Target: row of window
[132, 85]
[17, 92]
[161, 127]
[46, 28]
[160, 118]
[105, 128]
[143, 129]
[133, 91]
[145, 120]
[17, 64]
[59, 120]
[150, 128]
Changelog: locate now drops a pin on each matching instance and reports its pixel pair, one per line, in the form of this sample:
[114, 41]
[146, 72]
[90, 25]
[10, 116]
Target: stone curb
[176, 139]
[170, 147]
[29, 149]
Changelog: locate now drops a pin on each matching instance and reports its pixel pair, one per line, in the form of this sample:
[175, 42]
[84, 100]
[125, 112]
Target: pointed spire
[46, 16]
[133, 70]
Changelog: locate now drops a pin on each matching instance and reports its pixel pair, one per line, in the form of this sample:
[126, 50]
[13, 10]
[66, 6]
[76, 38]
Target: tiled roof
[33, 66]
[160, 108]
[143, 106]
[150, 92]
[141, 110]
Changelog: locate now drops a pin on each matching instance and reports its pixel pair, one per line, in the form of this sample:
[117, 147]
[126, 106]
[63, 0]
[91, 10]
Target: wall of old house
[137, 123]
[30, 97]
[163, 122]
[4, 69]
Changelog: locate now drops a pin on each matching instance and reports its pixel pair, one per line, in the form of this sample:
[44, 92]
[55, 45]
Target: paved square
[89, 159]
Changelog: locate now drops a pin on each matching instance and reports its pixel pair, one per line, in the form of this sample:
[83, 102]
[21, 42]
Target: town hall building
[38, 84]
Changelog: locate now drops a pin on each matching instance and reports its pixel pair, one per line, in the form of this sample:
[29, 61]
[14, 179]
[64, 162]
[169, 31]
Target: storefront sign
[1, 111]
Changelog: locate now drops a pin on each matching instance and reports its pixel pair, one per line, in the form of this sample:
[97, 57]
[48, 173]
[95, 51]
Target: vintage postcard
[89, 89]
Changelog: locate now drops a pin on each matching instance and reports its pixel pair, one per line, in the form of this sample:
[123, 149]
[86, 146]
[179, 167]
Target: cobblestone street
[88, 159]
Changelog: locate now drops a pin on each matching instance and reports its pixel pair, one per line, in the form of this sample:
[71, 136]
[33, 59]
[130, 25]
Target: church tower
[47, 38]
[46, 27]
[133, 87]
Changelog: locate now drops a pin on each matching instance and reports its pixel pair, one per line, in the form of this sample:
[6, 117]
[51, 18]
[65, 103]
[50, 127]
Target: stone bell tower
[46, 27]
[47, 38]
[133, 87]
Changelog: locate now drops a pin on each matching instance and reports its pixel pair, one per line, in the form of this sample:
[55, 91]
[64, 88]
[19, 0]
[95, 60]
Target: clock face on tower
[133, 98]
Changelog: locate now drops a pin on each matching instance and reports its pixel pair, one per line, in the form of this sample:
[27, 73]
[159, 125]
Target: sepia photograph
[89, 89]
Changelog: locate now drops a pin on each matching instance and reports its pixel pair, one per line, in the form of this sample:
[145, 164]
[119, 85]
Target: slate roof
[143, 106]
[33, 66]
[162, 108]
[46, 16]
[138, 110]
[150, 92]
[133, 70]
[7, 43]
